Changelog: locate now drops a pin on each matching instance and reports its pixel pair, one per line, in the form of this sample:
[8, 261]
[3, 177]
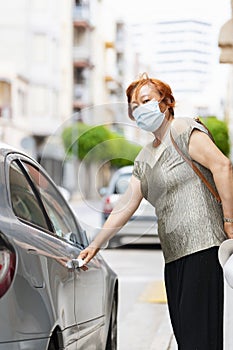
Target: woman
[190, 220]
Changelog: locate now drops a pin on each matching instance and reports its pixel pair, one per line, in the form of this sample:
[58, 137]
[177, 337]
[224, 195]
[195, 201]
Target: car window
[122, 183]
[24, 202]
[56, 208]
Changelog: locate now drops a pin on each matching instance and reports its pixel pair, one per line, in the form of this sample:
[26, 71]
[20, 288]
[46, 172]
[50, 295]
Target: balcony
[81, 17]
[81, 57]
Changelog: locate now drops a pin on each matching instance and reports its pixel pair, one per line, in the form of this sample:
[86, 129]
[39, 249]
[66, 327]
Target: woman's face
[145, 94]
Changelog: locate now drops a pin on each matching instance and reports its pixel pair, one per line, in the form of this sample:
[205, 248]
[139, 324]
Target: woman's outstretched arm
[122, 212]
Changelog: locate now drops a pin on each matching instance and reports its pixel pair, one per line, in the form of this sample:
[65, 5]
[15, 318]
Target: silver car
[142, 227]
[47, 301]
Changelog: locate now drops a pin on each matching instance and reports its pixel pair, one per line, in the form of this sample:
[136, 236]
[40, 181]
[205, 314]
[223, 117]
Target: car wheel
[112, 331]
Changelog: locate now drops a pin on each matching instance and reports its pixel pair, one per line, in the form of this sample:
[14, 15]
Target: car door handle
[74, 263]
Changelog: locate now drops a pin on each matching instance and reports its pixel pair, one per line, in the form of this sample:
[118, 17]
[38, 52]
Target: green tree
[98, 143]
[219, 131]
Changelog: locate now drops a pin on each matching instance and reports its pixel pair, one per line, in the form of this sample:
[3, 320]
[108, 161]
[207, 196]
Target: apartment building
[98, 73]
[35, 77]
[98, 61]
[60, 61]
[82, 56]
[184, 53]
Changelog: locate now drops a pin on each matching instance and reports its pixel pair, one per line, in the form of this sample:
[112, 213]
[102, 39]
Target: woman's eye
[133, 107]
[145, 101]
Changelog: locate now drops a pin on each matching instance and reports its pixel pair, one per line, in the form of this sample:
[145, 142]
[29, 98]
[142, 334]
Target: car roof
[125, 169]
[122, 171]
[5, 147]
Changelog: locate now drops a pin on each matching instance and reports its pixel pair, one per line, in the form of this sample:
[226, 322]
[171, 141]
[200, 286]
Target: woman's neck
[162, 130]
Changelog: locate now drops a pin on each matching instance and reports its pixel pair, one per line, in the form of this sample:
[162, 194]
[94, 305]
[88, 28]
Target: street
[143, 321]
[143, 315]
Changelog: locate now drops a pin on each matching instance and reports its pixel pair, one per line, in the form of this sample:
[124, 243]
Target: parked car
[142, 227]
[47, 302]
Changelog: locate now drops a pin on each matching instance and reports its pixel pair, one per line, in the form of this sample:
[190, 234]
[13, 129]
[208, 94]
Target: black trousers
[194, 286]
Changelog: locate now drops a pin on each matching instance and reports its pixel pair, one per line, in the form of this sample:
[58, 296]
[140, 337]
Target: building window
[81, 2]
[79, 75]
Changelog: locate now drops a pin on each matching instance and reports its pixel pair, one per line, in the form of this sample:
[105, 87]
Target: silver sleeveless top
[189, 217]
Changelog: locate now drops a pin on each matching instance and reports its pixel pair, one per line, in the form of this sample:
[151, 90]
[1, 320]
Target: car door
[42, 251]
[89, 286]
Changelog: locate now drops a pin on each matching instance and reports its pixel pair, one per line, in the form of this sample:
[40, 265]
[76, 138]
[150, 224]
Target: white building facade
[35, 73]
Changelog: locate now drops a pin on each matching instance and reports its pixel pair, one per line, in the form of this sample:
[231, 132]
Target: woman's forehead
[144, 90]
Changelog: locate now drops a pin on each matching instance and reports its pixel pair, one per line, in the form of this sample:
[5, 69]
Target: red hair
[162, 88]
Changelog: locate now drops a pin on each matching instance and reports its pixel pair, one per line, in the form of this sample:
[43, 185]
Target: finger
[87, 254]
[84, 268]
[87, 259]
[83, 255]
[62, 262]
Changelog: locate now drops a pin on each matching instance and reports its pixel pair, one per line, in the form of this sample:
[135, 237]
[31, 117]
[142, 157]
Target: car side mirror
[70, 237]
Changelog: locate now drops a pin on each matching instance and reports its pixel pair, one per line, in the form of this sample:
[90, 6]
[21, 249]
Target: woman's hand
[87, 254]
[122, 212]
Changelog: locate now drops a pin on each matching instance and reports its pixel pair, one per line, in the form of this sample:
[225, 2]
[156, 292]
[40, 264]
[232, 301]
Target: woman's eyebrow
[142, 96]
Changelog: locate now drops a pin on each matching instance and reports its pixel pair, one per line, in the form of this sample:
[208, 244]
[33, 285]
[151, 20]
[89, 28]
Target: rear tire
[112, 331]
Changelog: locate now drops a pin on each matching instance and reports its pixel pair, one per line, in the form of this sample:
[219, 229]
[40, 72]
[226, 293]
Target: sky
[217, 11]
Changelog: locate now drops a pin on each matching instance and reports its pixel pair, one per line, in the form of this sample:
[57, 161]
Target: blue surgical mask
[148, 116]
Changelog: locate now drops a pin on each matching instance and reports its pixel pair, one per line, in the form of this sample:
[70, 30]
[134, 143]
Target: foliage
[98, 143]
[219, 131]
[124, 152]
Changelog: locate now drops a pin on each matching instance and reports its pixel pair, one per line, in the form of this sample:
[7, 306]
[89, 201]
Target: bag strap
[195, 168]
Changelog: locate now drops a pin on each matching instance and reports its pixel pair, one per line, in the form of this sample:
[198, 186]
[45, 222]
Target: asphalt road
[143, 313]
